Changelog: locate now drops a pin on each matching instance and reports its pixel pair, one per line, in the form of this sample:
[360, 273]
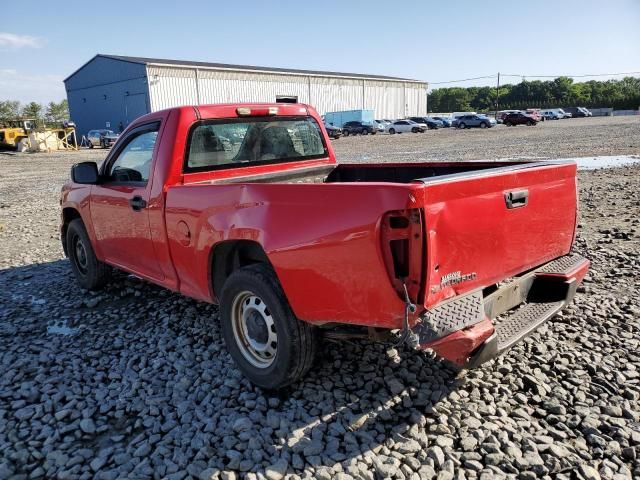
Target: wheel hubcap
[254, 329]
[81, 255]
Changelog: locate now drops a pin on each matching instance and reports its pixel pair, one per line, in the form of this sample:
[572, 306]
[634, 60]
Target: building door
[135, 106]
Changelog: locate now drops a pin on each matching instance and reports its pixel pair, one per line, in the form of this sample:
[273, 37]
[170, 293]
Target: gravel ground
[579, 137]
[134, 382]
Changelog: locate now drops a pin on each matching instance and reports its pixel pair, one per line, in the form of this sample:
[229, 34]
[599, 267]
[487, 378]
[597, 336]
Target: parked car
[535, 113]
[102, 138]
[519, 118]
[380, 126]
[332, 131]
[577, 112]
[358, 128]
[446, 121]
[422, 248]
[501, 114]
[550, 115]
[562, 113]
[469, 121]
[586, 111]
[430, 123]
[402, 126]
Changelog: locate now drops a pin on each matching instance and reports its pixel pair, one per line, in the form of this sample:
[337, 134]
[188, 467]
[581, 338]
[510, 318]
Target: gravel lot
[134, 382]
[579, 137]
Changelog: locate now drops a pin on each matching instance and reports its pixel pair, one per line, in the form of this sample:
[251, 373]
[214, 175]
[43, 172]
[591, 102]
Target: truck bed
[382, 172]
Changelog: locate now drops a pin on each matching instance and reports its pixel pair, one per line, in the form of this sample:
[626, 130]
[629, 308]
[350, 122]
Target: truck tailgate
[483, 227]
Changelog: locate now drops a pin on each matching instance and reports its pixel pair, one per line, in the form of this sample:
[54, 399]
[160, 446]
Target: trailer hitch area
[407, 336]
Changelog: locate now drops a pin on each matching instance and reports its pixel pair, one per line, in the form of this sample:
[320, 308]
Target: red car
[519, 118]
[244, 205]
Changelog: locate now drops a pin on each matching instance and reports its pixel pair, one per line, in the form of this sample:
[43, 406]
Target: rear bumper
[473, 329]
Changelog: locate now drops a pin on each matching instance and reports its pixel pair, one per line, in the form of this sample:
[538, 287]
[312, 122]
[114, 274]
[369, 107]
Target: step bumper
[478, 329]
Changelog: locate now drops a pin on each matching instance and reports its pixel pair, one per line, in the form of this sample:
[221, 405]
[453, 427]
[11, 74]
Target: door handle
[516, 198]
[137, 203]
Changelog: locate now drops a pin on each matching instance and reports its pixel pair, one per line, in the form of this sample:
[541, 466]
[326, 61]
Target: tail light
[402, 246]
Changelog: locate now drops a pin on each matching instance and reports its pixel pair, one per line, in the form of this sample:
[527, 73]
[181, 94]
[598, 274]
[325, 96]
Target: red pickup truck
[244, 205]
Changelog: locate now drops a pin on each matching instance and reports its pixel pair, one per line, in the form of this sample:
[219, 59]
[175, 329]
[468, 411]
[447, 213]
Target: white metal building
[110, 91]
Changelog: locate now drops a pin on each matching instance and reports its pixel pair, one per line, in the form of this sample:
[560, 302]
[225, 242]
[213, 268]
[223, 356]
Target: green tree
[32, 110]
[57, 112]
[9, 110]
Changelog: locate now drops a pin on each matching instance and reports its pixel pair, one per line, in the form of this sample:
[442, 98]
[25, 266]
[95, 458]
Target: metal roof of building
[252, 68]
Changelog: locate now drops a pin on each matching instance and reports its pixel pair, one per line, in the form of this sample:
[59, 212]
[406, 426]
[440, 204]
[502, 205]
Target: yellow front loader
[15, 134]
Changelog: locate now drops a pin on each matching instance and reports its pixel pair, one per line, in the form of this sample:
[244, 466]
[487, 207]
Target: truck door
[119, 204]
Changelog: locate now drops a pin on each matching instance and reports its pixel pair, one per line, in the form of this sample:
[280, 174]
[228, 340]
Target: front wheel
[269, 344]
[508, 124]
[90, 272]
[345, 133]
[415, 130]
[392, 131]
[529, 123]
[483, 125]
[462, 126]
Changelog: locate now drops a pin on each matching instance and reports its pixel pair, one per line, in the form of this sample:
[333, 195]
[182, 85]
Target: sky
[431, 41]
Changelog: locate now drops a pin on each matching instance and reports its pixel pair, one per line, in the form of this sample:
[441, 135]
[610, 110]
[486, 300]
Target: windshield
[220, 144]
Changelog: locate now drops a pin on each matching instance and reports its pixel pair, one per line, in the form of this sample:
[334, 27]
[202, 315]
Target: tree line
[51, 113]
[561, 92]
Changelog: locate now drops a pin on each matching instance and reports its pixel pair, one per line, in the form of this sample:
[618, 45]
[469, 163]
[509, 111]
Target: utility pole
[497, 95]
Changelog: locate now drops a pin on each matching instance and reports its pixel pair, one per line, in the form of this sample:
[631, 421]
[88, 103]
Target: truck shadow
[150, 368]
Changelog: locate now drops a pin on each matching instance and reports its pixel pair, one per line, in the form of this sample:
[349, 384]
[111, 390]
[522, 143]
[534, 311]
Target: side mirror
[85, 173]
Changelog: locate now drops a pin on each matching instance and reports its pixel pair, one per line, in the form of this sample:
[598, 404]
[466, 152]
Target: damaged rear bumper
[475, 328]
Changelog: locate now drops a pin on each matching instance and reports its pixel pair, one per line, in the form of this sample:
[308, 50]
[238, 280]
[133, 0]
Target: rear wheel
[90, 272]
[269, 344]
[392, 131]
[508, 124]
[345, 133]
[22, 144]
[462, 125]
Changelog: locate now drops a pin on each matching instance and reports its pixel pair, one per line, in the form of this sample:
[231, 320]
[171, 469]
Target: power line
[463, 80]
[523, 75]
[572, 76]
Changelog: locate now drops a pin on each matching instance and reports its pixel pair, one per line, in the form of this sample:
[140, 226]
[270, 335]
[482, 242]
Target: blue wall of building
[107, 91]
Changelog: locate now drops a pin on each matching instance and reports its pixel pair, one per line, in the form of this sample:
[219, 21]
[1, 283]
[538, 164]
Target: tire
[508, 124]
[90, 272]
[483, 125]
[345, 133]
[22, 144]
[392, 131]
[255, 289]
[462, 125]
[415, 130]
[364, 132]
[90, 144]
[529, 123]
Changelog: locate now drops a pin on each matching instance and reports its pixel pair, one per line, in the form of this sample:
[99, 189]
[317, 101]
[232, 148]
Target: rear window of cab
[233, 143]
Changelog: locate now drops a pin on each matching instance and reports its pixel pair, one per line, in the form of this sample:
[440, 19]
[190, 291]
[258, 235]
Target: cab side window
[133, 162]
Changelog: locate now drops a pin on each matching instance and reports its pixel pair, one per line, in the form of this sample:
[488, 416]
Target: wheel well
[231, 255]
[68, 214]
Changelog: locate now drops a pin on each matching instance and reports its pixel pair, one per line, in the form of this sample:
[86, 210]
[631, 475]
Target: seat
[275, 142]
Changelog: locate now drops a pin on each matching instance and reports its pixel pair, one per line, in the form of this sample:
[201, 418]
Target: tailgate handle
[516, 198]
